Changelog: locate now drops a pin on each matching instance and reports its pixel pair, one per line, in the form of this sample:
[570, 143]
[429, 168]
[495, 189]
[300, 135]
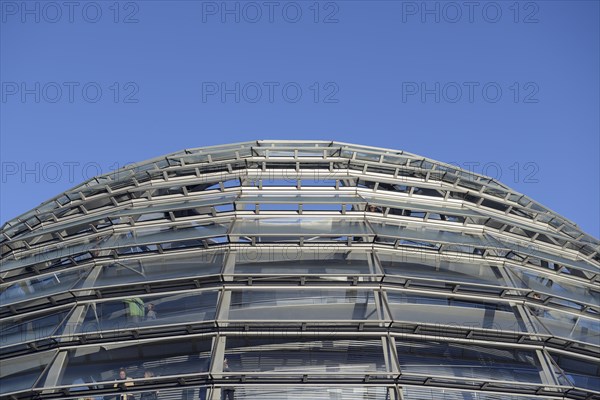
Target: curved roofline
[437, 166]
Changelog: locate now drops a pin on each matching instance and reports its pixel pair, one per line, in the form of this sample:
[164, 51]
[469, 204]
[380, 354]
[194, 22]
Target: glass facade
[297, 270]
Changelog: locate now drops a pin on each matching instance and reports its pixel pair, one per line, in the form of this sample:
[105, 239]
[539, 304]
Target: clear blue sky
[506, 88]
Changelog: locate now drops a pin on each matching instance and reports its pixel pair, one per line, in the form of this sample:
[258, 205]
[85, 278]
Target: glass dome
[297, 270]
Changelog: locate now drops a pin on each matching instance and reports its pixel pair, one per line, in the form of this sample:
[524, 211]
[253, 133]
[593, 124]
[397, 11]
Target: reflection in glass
[158, 269]
[579, 372]
[18, 330]
[431, 266]
[326, 227]
[418, 393]
[329, 355]
[312, 393]
[568, 326]
[22, 372]
[46, 285]
[467, 361]
[454, 312]
[169, 237]
[140, 312]
[303, 304]
[556, 287]
[164, 358]
[322, 260]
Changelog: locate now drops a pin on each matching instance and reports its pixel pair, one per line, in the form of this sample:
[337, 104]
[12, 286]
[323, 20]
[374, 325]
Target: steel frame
[313, 200]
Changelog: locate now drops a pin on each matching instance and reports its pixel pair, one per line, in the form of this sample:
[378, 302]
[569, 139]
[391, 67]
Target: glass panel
[157, 269]
[581, 373]
[72, 227]
[406, 203]
[137, 312]
[467, 180]
[417, 393]
[427, 234]
[167, 234]
[201, 206]
[19, 330]
[299, 227]
[312, 393]
[568, 326]
[556, 287]
[291, 179]
[467, 361]
[164, 358]
[509, 221]
[406, 307]
[45, 285]
[332, 356]
[300, 199]
[495, 192]
[302, 304]
[431, 266]
[191, 393]
[42, 256]
[367, 156]
[319, 261]
[22, 372]
[533, 249]
[218, 153]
